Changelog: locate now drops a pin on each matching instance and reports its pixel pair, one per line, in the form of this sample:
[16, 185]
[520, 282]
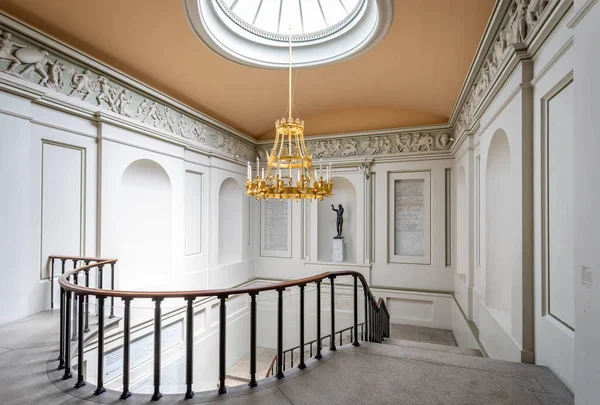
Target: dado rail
[376, 319]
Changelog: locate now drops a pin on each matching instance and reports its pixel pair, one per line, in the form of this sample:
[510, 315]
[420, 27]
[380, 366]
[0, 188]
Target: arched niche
[344, 193]
[499, 230]
[145, 226]
[462, 222]
[230, 221]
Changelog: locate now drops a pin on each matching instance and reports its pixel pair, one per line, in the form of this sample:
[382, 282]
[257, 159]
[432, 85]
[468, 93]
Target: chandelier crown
[289, 171]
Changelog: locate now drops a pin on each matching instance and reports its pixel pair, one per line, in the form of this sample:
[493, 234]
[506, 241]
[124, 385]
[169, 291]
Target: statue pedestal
[338, 250]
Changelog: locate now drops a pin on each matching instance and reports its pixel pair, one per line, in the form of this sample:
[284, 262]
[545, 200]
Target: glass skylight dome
[306, 19]
[256, 32]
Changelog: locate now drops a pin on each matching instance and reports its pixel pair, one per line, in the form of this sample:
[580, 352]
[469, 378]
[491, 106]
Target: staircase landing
[369, 374]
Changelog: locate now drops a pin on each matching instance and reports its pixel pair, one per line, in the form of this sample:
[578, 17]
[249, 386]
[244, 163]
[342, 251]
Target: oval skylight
[256, 32]
[305, 19]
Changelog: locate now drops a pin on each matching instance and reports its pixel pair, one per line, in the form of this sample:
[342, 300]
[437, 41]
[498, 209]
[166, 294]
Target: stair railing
[376, 320]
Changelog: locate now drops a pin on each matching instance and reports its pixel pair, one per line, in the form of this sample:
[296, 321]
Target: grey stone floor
[369, 374]
[421, 334]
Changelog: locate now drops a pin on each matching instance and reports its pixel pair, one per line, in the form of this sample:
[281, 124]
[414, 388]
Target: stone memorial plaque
[409, 217]
[276, 225]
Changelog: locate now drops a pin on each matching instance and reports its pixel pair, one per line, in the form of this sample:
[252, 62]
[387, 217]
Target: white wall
[587, 200]
[80, 185]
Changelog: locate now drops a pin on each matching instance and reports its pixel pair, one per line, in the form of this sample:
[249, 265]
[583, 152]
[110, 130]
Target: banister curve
[64, 282]
[376, 320]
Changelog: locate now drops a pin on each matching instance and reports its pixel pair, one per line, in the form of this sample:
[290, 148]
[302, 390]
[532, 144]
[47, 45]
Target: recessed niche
[345, 194]
[145, 225]
[500, 254]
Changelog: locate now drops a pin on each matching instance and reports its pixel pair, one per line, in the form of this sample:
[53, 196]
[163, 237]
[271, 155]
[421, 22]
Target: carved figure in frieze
[199, 131]
[499, 48]
[102, 85]
[154, 115]
[262, 154]
[182, 126]
[370, 146]
[385, 146]
[443, 140]
[7, 46]
[124, 98]
[39, 67]
[319, 149]
[219, 139]
[143, 109]
[349, 148]
[55, 76]
[518, 21]
[80, 83]
[403, 143]
[335, 148]
[422, 143]
[169, 120]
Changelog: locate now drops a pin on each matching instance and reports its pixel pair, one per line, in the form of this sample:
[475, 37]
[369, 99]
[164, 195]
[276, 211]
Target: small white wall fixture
[230, 221]
[345, 194]
[499, 230]
[146, 225]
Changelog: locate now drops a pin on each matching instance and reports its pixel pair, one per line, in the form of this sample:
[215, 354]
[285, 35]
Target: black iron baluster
[76, 282]
[189, 348]
[341, 337]
[253, 382]
[318, 355]
[100, 385]
[52, 283]
[302, 365]
[157, 340]
[99, 284]
[311, 349]
[366, 324]
[222, 343]
[332, 340]
[80, 382]
[355, 328]
[87, 300]
[112, 287]
[279, 334]
[61, 355]
[67, 340]
[372, 318]
[126, 347]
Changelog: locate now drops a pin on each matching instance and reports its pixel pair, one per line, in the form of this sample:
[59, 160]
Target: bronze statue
[340, 220]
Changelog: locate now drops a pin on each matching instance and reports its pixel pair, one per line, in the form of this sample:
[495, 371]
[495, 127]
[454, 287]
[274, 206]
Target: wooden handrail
[64, 282]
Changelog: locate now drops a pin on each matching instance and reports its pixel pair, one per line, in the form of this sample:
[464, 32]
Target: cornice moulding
[100, 82]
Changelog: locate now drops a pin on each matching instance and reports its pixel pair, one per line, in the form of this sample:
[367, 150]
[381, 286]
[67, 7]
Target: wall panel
[62, 202]
[193, 213]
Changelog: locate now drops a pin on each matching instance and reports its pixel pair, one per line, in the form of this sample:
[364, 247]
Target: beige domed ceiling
[412, 77]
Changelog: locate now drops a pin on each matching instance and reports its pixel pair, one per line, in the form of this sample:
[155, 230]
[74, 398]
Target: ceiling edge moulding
[63, 73]
[521, 26]
[221, 30]
[396, 145]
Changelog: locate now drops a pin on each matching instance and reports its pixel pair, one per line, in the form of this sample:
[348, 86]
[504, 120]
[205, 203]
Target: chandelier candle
[294, 155]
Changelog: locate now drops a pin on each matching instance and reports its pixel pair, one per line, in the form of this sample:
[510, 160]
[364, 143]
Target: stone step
[433, 346]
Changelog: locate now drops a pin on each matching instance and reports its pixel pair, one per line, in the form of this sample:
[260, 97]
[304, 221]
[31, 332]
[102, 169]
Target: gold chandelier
[290, 158]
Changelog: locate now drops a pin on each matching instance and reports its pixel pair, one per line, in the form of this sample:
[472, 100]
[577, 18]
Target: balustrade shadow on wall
[74, 321]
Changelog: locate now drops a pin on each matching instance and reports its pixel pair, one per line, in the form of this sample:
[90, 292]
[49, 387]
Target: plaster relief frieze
[395, 144]
[522, 17]
[22, 58]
